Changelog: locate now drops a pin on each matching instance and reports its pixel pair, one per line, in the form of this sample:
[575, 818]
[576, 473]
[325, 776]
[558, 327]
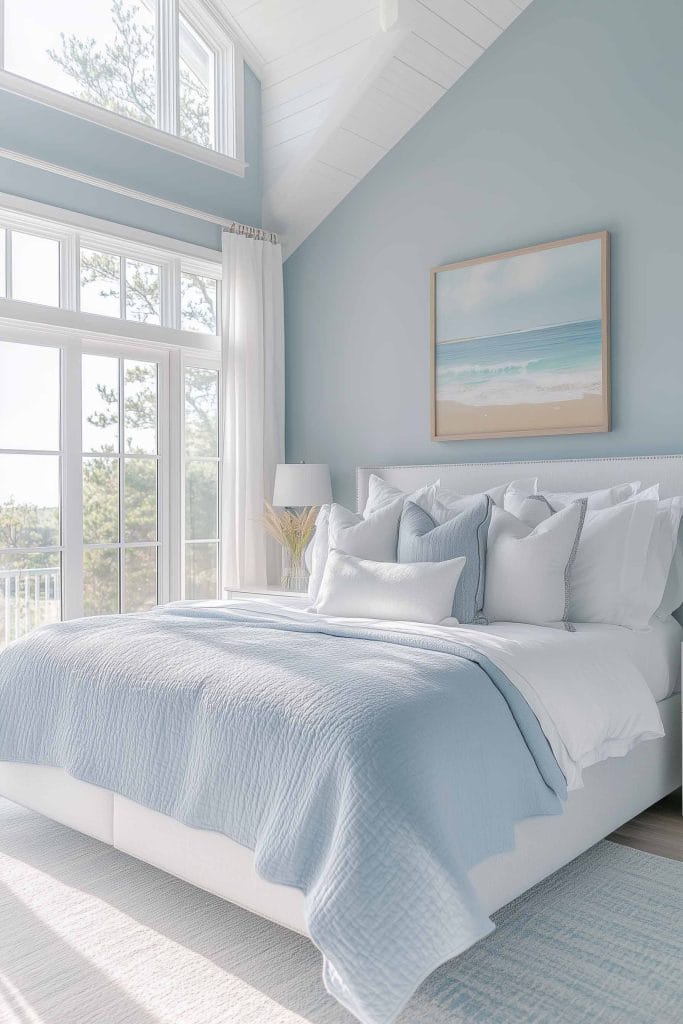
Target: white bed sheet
[589, 689]
[656, 651]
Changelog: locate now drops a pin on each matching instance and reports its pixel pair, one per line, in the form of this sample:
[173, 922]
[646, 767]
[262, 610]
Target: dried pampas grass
[293, 530]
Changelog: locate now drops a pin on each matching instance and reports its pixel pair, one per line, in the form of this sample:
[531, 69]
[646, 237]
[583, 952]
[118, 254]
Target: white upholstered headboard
[554, 475]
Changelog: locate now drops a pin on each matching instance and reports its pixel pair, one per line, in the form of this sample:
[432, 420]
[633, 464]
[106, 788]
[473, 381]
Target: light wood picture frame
[520, 342]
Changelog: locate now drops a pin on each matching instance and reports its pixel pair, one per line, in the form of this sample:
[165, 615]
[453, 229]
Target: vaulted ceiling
[343, 80]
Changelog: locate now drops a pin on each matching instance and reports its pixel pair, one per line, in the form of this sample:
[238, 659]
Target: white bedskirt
[614, 791]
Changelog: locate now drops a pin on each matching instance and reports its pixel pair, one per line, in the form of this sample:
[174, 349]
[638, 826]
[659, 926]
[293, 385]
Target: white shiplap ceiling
[343, 80]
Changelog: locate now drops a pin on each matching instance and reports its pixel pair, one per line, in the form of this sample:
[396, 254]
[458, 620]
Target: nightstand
[236, 593]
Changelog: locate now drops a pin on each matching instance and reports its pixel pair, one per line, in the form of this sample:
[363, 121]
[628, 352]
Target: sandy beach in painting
[548, 378]
[454, 418]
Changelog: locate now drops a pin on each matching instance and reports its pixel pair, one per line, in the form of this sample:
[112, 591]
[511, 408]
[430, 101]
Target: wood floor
[658, 830]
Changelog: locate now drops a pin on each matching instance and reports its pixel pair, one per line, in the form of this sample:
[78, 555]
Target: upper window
[51, 264]
[153, 62]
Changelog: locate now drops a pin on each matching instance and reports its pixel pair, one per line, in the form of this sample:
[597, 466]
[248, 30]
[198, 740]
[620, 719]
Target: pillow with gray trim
[420, 539]
[527, 568]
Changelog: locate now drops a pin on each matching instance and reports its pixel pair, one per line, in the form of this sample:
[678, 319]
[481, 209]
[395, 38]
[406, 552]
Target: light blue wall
[38, 131]
[571, 122]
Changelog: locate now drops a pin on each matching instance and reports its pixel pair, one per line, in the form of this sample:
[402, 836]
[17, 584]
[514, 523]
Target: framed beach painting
[520, 342]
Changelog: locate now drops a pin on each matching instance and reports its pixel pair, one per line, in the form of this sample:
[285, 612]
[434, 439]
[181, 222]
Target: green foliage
[121, 76]
[198, 302]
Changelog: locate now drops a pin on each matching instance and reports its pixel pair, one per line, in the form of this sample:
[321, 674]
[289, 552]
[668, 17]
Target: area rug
[91, 936]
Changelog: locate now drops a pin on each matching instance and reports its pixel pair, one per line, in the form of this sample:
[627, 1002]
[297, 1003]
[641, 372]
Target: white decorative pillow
[605, 498]
[318, 549]
[607, 579]
[673, 591]
[337, 527]
[527, 569]
[442, 504]
[381, 494]
[413, 591]
[374, 537]
[661, 584]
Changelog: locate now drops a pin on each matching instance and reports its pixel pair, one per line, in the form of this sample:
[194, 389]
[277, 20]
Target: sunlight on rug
[89, 935]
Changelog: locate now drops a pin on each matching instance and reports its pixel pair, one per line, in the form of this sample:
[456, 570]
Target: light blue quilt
[368, 770]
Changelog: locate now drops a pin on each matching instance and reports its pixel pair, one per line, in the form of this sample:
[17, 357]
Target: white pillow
[407, 591]
[606, 582]
[673, 591]
[337, 527]
[527, 569]
[318, 549]
[374, 537]
[606, 498]
[443, 504]
[381, 494]
[664, 559]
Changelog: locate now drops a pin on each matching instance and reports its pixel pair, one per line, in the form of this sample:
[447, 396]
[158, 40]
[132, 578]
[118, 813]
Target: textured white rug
[91, 936]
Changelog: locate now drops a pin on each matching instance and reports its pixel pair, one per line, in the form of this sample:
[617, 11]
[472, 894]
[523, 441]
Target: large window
[148, 65]
[109, 421]
[104, 544]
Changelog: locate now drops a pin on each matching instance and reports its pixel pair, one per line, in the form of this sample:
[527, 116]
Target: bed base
[615, 791]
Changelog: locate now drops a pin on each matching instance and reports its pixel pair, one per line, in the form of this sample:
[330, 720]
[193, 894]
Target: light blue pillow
[421, 540]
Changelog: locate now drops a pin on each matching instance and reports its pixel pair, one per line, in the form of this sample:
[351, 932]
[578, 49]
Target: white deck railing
[28, 598]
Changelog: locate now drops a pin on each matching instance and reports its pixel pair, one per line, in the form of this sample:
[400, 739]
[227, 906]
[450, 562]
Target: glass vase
[294, 573]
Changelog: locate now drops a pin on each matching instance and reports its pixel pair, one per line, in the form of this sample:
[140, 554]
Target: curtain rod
[130, 193]
[249, 232]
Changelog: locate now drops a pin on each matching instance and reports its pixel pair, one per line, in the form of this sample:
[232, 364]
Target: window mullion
[170, 294]
[167, 65]
[122, 496]
[167, 529]
[123, 273]
[8, 263]
[72, 482]
[70, 272]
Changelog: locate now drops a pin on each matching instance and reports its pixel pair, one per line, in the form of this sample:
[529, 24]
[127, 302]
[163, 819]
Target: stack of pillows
[512, 553]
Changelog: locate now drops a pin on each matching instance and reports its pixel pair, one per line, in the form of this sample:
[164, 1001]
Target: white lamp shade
[302, 483]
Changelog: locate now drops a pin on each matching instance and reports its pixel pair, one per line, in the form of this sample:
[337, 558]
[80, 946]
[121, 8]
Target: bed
[603, 795]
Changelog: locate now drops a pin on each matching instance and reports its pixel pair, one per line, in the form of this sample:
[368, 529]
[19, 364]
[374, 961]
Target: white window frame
[76, 230]
[228, 129]
[170, 544]
[75, 332]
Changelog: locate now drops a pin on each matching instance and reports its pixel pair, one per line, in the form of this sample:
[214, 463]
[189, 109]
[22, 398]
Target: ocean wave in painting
[557, 363]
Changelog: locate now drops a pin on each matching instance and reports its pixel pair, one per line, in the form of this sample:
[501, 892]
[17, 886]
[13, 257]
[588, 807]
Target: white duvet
[587, 689]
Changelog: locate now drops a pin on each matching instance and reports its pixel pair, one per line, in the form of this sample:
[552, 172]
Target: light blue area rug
[90, 936]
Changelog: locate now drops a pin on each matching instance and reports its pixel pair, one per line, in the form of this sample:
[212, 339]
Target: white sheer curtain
[253, 404]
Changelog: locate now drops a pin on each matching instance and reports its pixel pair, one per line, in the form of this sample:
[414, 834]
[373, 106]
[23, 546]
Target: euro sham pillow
[518, 492]
[617, 576]
[414, 592]
[381, 494]
[607, 578]
[442, 503]
[673, 590]
[420, 539]
[662, 582]
[527, 569]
